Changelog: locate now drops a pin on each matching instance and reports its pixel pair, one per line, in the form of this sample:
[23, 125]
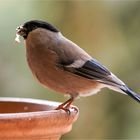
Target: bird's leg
[69, 103]
[66, 105]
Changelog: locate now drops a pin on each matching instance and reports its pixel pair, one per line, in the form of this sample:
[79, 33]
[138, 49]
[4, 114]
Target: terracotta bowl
[32, 119]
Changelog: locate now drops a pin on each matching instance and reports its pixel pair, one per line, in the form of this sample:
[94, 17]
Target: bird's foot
[66, 105]
[67, 110]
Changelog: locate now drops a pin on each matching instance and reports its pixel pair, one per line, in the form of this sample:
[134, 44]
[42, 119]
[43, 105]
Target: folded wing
[94, 70]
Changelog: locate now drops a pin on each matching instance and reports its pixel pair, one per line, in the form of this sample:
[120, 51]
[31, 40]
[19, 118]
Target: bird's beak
[20, 32]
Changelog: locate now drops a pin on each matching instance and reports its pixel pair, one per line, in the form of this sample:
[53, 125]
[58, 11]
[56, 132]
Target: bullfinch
[61, 65]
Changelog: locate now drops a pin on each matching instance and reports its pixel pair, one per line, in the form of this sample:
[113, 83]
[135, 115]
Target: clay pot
[31, 119]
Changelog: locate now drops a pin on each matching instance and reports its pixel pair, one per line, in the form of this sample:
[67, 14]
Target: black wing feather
[94, 65]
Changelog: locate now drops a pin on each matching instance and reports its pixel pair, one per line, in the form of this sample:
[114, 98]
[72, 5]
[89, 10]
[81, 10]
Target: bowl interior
[18, 107]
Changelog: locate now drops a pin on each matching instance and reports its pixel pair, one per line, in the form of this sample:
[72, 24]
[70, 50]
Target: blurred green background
[109, 31]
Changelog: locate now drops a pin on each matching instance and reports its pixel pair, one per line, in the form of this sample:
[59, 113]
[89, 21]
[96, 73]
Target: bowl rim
[35, 114]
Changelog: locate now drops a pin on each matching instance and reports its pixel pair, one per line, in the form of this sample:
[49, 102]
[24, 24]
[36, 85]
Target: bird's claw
[67, 110]
[66, 105]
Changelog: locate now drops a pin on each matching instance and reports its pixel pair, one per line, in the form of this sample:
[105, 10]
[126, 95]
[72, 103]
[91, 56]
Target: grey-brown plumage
[63, 66]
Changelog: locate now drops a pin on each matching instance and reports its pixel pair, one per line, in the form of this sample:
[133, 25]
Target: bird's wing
[94, 70]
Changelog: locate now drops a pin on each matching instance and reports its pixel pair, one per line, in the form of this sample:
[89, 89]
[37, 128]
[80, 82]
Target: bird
[61, 65]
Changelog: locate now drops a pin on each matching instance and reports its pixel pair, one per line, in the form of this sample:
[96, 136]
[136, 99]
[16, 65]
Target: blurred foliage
[108, 30]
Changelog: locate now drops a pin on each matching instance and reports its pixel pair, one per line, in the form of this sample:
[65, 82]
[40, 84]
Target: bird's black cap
[34, 24]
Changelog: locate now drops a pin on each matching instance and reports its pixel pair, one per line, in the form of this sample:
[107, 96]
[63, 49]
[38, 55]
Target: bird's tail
[131, 93]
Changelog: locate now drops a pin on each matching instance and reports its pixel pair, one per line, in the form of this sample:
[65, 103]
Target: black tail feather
[131, 93]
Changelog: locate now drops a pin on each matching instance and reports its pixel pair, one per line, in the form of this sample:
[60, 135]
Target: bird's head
[29, 26]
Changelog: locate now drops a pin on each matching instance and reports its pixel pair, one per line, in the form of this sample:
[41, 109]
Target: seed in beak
[17, 40]
[18, 29]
